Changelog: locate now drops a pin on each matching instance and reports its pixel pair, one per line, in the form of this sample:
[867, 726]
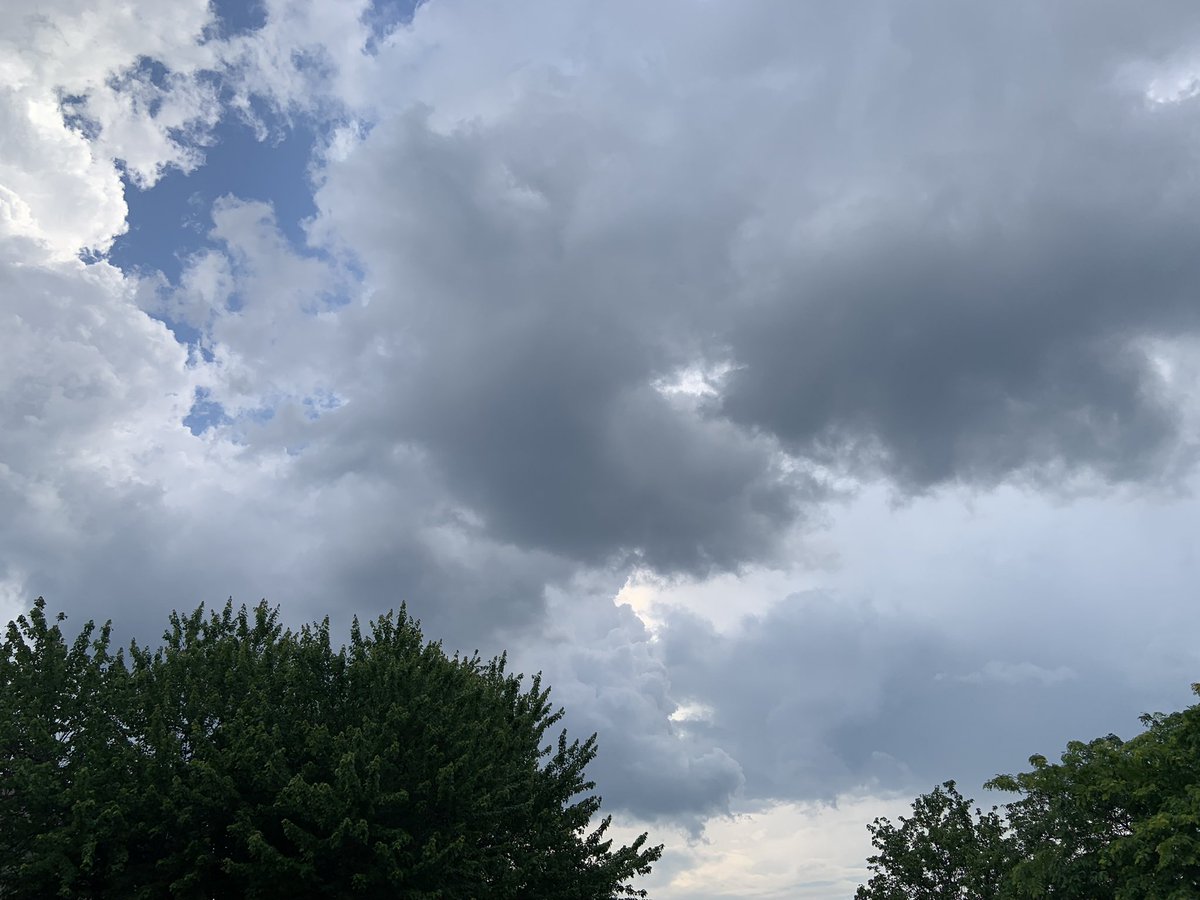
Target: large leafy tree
[244, 759]
[1111, 819]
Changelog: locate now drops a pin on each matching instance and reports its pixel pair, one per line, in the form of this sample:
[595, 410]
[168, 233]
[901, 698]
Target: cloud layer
[864, 335]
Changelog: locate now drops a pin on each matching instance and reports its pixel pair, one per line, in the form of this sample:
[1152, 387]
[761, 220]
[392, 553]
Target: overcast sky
[811, 390]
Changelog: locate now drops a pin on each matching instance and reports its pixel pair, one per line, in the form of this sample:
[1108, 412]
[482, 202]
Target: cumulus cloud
[306, 59]
[966, 303]
[558, 223]
[62, 187]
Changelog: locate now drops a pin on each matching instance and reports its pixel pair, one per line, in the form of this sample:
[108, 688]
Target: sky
[810, 391]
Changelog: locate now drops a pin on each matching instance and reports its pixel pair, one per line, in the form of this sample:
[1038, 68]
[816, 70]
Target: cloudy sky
[811, 390]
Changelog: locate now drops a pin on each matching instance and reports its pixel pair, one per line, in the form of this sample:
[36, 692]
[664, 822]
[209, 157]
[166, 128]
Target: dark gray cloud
[982, 215]
[991, 322]
[529, 349]
[934, 252]
[971, 360]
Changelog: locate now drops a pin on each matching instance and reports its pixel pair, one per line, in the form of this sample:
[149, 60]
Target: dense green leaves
[1112, 819]
[942, 852]
[243, 759]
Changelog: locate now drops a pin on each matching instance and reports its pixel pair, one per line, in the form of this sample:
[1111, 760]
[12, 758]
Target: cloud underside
[596, 289]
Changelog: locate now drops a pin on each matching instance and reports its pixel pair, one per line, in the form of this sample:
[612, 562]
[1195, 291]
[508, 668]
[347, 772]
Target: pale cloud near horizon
[810, 392]
[784, 850]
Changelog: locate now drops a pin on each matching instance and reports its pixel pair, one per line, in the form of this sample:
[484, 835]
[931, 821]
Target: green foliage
[942, 852]
[243, 759]
[1068, 815]
[1112, 819]
[65, 759]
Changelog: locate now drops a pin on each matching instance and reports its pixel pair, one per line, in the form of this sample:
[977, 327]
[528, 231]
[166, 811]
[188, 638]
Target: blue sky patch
[170, 221]
[236, 17]
[205, 413]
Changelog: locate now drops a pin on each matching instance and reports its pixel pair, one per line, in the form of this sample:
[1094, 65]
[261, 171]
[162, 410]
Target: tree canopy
[942, 852]
[1112, 819]
[240, 758]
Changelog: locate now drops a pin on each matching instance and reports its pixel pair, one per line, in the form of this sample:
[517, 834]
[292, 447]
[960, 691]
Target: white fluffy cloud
[59, 182]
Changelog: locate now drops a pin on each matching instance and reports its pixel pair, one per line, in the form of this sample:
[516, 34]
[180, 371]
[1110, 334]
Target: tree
[1066, 819]
[942, 852]
[64, 758]
[1111, 819]
[244, 759]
